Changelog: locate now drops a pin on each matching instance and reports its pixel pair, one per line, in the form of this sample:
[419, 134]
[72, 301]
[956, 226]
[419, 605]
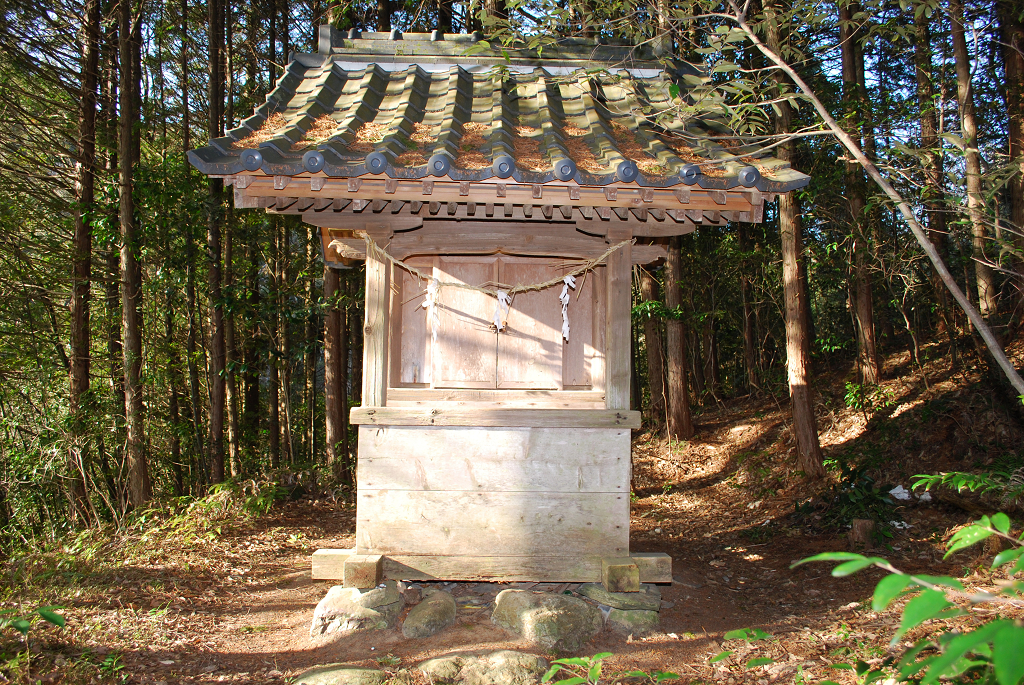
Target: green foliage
[992, 652]
[867, 398]
[589, 670]
[9, 618]
[855, 496]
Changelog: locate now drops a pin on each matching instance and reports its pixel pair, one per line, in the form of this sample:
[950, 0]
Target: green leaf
[888, 589]
[965, 537]
[662, 676]
[1006, 556]
[830, 556]
[851, 567]
[1008, 654]
[594, 674]
[551, 673]
[720, 656]
[1001, 522]
[760, 661]
[575, 680]
[21, 625]
[573, 661]
[957, 648]
[927, 605]
[51, 617]
[842, 667]
[673, 90]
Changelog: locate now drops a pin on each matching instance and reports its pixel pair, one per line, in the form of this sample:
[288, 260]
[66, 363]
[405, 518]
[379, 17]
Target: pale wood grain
[493, 523]
[375, 333]
[493, 459]
[472, 416]
[655, 567]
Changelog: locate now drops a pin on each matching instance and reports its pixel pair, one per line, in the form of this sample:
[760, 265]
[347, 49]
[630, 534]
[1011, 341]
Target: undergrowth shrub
[856, 495]
[991, 653]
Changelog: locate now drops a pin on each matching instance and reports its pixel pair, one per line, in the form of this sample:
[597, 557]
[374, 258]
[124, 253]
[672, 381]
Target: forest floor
[210, 597]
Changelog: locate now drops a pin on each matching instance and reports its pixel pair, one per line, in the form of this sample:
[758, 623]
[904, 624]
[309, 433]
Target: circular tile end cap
[749, 176]
[439, 165]
[376, 162]
[252, 160]
[627, 171]
[313, 161]
[689, 174]
[503, 166]
[565, 169]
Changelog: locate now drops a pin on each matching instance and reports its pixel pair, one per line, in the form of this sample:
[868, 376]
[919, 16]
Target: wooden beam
[468, 416]
[617, 335]
[378, 187]
[496, 399]
[375, 333]
[655, 567]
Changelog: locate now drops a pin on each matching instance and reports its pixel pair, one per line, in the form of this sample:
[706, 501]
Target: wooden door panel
[411, 364]
[530, 347]
[466, 344]
[579, 350]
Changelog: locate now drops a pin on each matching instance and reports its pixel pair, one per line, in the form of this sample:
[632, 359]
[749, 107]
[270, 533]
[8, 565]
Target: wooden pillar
[617, 335]
[375, 333]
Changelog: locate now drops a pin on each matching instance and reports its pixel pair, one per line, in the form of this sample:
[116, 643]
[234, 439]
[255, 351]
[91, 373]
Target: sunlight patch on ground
[906, 407]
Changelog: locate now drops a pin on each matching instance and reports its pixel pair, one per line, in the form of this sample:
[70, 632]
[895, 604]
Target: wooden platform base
[654, 567]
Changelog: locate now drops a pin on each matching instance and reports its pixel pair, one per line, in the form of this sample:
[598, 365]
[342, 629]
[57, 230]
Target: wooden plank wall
[493, 492]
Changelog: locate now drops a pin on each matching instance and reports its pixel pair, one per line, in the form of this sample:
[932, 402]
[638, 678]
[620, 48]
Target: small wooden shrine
[500, 200]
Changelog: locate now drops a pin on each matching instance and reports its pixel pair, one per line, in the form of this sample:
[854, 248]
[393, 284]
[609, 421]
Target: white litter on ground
[899, 492]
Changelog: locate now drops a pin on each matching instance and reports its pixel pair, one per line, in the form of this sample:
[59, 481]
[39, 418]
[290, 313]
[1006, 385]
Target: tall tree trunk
[654, 347]
[274, 382]
[309, 350]
[333, 375]
[131, 271]
[230, 349]
[272, 45]
[933, 194]
[251, 406]
[749, 322]
[1011, 31]
[860, 288]
[85, 174]
[186, 123]
[213, 246]
[444, 16]
[344, 450]
[286, 342]
[809, 455]
[983, 271]
[112, 261]
[174, 381]
[286, 10]
[384, 15]
[680, 423]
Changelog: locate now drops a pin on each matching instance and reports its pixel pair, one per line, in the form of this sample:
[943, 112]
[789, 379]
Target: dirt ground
[232, 601]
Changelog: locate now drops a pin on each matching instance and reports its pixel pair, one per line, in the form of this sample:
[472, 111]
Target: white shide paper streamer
[567, 282]
[501, 308]
[430, 304]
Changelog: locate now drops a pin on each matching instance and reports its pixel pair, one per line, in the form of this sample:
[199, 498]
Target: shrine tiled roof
[427, 106]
